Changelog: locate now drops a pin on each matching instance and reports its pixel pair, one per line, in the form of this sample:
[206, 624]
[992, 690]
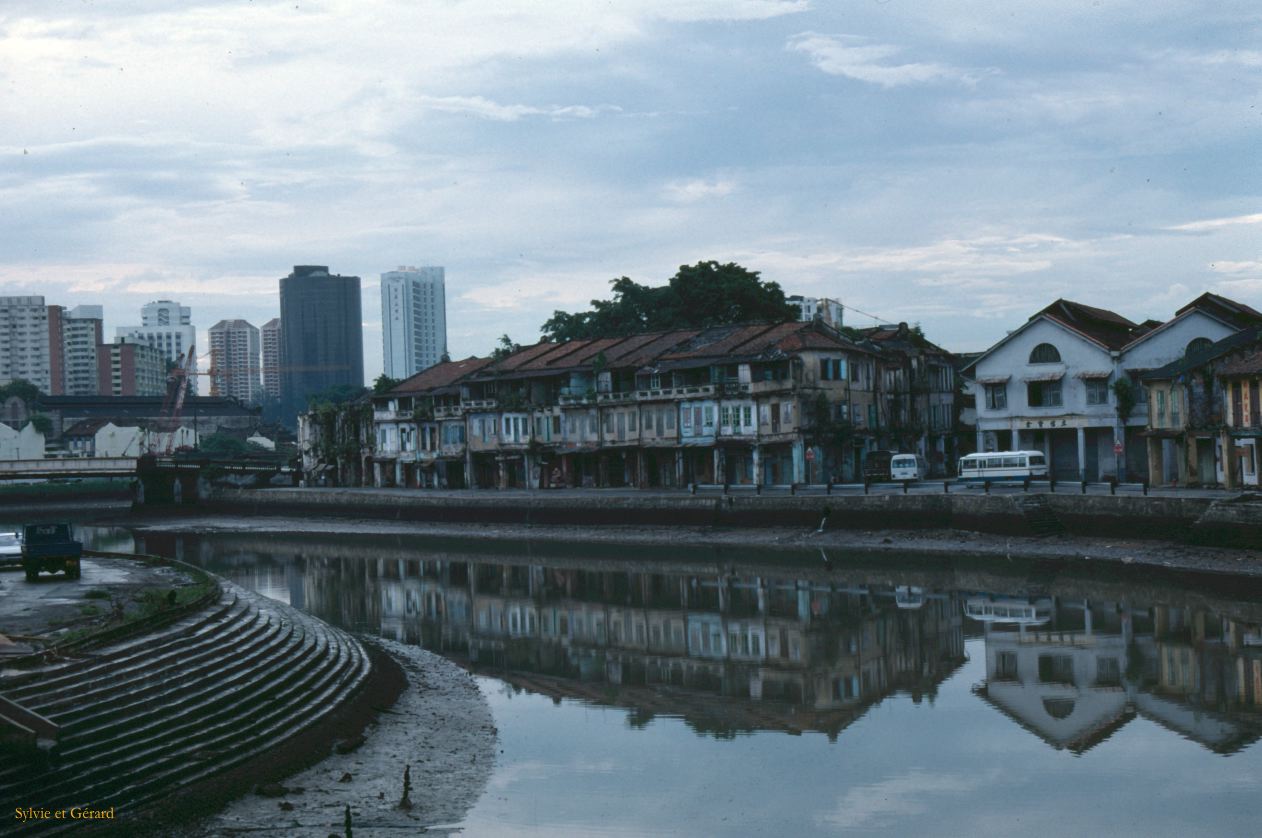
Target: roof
[1107, 328]
[87, 427]
[1250, 364]
[1240, 340]
[442, 374]
[1229, 311]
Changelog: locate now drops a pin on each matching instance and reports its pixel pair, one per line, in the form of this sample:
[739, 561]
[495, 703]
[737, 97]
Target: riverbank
[1229, 521]
[684, 542]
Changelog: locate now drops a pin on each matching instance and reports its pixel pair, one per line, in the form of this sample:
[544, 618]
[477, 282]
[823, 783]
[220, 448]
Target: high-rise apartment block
[81, 330]
[322, 340]
[25, 341]
[126, 368]
[234, 361]
[413, 319]
[166, 326]
[270, 337]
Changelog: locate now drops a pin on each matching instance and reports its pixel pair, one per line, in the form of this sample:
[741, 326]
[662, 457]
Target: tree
[697, 296]
[337, 394]
[42, 423]
[384, 383]
[22, 388]
[506, 347]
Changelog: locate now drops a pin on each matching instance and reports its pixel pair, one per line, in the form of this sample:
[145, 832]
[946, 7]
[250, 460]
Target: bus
[1003, 465]
[908, 467]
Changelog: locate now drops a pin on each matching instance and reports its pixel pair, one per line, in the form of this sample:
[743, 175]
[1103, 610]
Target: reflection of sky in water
[952, 764]
[953, 767]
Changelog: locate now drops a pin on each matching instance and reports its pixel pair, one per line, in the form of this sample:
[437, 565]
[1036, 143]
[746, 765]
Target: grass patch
[89, 610]
[97, 593]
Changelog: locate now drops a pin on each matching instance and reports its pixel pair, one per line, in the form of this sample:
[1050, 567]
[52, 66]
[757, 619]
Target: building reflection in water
[1073, 672]
[738, 648]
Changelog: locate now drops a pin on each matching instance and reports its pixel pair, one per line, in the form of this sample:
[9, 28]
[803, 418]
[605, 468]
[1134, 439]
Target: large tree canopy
[700, 295]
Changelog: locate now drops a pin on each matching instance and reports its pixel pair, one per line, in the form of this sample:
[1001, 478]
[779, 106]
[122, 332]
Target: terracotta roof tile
[440, 375]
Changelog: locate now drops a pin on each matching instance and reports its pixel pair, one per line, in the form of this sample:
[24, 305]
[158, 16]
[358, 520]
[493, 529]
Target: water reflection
[732, 648]
[1073, 672]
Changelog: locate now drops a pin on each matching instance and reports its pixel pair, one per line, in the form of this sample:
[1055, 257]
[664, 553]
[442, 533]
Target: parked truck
[52, 548]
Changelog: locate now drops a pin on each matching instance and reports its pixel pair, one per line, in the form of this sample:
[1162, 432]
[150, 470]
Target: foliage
[42, 423]
[224, 445]
[1125, 393]
[385, 384]
[337, 394]
[697, 296]
[824, 429]
[506, 347]
[21, 388]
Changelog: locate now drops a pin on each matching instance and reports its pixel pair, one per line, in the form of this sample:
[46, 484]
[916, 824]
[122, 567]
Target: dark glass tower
[322, 334]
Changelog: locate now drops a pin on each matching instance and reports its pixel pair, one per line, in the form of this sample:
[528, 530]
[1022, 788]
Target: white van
[908, 467]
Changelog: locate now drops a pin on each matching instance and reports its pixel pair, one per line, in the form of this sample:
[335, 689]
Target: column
[471, 479]
[679, 466]
[1082, 452]
[799, 462]
[720, 473]
[376, 474]
[1016, 438]
[757, 465]
[981, 440]
[398, 472]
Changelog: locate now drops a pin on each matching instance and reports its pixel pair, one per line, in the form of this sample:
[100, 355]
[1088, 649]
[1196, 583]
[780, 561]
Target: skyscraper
[82, 330]
[322, 339]
[166, 326]
[234, 360]
[130, 368]
[25, 341]
[269, 334]
[413, 319]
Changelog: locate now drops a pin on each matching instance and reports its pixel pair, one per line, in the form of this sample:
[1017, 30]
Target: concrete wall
[1176, 519]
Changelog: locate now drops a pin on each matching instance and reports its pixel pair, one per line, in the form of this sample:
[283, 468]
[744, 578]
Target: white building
[166, 326]
[1051, 385]
[24, 341]
[234, 361]
[132, 441]
[413, 319]
[269, 337]
[26, 444]
[81, 332]
[826, 309]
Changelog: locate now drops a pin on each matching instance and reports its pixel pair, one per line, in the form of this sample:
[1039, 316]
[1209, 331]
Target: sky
[959, 164]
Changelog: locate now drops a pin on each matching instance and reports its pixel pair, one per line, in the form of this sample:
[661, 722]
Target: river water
[705, 692]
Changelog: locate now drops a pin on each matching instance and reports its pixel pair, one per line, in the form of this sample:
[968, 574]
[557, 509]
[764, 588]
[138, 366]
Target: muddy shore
[839, 543]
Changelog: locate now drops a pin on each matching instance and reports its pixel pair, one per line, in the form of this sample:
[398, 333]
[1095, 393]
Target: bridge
[158, 479]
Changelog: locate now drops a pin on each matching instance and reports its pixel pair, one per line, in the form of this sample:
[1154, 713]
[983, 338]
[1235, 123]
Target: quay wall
[1192, 520]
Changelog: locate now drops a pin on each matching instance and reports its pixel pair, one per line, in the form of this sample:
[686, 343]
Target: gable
[1169, 343]
[1012, 354]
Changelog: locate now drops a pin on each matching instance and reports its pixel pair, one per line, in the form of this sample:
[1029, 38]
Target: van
[908, 467]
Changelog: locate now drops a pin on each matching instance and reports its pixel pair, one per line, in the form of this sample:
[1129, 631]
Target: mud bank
[1232, 522]
[441, 728]
[684, 545]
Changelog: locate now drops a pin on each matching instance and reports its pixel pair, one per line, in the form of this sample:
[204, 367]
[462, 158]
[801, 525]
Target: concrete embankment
[1222, 522]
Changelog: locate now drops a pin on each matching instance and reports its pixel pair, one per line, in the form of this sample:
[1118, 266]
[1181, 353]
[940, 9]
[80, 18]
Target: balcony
[449, 412]
[606, 398]
[570, 399]
[479, 404]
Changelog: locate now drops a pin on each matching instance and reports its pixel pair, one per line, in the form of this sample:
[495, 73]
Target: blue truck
[52, 548]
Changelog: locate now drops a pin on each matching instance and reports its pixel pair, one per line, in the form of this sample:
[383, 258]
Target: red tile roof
[440, 375]
[1099, 324]
[1250, 364]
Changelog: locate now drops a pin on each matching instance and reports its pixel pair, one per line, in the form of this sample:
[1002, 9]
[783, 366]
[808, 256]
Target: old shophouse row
[769, 403]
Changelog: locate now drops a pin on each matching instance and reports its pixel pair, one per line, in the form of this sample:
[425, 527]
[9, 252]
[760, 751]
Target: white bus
[1011, 610]
[1003, 465]
[908, 467]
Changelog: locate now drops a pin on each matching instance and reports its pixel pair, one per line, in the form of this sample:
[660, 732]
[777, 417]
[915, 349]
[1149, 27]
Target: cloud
[1218, 223]
[690, 191]
[853, 57]
[876, 804]
[538, 291]
[487, 109]
[1245, 267]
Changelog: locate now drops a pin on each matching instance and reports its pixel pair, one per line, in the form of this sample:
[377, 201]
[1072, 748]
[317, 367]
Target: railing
[449, 412]
[479, 404]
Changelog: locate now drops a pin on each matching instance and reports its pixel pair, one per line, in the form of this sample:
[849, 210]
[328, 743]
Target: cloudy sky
[959, 163]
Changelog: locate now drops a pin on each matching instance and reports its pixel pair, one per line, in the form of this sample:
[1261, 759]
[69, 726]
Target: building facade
[767, 404]
[269, 339]
[322, 342]
[130, 369]
[25, 347]
[413, 319]
[1069, 382]
[81, 332]
[166, 326]
[234, 361]
[828, 310]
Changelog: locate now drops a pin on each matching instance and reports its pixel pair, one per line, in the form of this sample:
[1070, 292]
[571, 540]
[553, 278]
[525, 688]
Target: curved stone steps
[72, 672]
[224, 687]
[68, 697]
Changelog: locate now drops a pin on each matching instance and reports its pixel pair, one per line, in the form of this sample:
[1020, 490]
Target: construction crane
[173, 404]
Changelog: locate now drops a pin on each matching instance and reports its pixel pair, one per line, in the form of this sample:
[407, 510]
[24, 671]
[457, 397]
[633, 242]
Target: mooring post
[793, 488]
[1145, 488]
[946, 487]
[1084, 487]
[1025, 485]
[986, 486]
[906, 483]
[1112, 487]
[692, 488]
[865, 485]
[828, 490]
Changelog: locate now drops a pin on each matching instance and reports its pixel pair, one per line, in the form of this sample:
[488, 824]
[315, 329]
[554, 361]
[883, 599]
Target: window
[1161, 408]
[1197, 344]
[832, 369]
[996, 396]
[1043, 393]
[1044, 353]
[725, 416]
[1056, 669]
[1097, 391]
[670, 419]
[1006, 666]
[748, 414]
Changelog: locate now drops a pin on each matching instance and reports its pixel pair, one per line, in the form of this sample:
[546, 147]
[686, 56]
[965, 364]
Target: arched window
[1044, 353]
[1058, 708]
[1197, 344]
